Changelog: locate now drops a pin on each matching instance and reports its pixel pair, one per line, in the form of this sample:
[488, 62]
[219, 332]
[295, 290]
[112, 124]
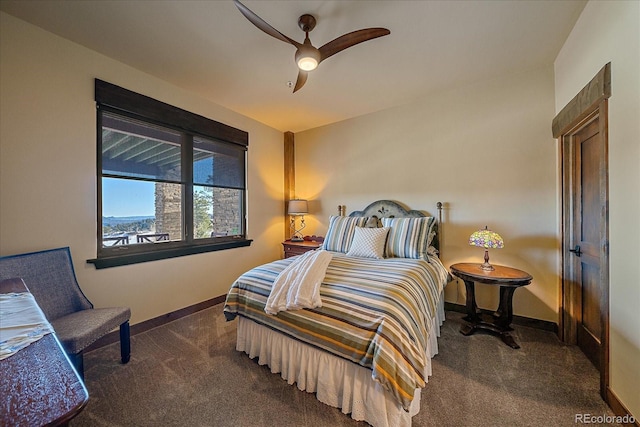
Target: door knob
[576, 250]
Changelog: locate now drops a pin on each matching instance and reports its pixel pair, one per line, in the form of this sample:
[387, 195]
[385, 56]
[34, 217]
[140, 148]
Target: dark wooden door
[582, 127]
[588, 241]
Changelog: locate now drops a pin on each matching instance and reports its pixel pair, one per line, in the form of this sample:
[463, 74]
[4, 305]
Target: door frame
[590, 103]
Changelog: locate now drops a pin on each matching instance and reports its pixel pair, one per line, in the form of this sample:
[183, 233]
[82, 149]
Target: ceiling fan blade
[302, 79]
[261, 24]
[350, 39]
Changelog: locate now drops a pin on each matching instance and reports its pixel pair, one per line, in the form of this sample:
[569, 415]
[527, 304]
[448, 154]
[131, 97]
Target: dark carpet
[188, 373]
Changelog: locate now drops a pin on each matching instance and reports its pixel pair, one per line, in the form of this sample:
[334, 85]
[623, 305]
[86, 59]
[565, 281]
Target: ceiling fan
[308, 57]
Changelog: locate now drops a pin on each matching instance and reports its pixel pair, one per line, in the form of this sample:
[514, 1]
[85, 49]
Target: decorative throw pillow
[408, 237]
[368, 242]
[340, 232]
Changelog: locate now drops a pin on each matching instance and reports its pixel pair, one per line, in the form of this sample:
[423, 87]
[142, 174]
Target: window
[170, 182]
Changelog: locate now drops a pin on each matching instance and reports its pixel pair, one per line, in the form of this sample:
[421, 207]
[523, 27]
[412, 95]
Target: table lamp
[486, 239]
[297, 207]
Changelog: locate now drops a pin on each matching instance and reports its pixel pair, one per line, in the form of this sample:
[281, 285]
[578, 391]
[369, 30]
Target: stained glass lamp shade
[486, 239]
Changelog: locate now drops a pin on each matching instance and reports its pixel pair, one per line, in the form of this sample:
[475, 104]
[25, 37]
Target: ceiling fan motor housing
[307, 57]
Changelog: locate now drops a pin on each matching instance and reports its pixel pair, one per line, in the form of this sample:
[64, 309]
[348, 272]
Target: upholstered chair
[51, 279]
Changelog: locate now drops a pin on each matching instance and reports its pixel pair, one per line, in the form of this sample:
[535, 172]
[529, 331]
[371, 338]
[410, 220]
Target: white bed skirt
[336, 381]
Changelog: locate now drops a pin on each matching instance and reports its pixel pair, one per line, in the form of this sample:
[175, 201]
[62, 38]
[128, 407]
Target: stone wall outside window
[168, 202]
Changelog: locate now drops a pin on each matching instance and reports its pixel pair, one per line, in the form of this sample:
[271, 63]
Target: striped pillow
[369, 242]
[340, 233]
[409, 237]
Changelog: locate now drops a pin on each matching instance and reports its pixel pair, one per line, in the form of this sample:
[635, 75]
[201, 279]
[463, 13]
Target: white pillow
[368, 242]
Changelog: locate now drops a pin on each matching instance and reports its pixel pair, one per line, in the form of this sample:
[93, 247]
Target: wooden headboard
[390, 209]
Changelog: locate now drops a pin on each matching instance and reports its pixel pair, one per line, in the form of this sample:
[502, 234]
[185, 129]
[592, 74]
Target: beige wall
[610, 32]
[48, 173]
[485, 150]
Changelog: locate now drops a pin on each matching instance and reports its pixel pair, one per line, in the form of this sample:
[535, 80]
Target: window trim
[135, 258]
[118, 100]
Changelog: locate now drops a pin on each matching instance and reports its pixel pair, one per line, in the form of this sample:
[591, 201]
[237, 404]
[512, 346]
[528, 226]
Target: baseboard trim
[114, 336]
[544, 325]
[138, 328]
[619, 409]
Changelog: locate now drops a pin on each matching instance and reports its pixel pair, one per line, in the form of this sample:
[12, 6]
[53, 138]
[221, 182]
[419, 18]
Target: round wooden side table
[509, 279]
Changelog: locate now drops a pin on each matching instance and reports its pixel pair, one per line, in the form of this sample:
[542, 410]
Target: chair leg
[78, 362]
[125, 342]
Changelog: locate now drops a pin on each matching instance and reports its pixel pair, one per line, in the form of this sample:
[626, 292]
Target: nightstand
[298, 248]
[509, 279]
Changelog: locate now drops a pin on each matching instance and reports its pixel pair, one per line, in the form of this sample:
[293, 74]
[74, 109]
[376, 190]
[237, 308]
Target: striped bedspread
[376, 313]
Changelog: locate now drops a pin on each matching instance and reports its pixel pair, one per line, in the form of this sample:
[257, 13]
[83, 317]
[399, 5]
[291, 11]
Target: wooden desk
[38, 385]
[509, 279]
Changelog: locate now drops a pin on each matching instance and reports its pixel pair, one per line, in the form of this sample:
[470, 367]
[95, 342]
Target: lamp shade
[297, 207]
[486, 239]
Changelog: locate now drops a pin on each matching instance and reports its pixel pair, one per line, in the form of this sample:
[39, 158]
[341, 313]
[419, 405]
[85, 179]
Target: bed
[367, 349]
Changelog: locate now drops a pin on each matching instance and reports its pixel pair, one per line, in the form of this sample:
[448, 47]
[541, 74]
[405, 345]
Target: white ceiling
[209, 48]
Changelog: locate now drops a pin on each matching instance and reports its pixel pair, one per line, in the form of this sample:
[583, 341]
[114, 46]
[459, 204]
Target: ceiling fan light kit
[307, 56]
[307, 63]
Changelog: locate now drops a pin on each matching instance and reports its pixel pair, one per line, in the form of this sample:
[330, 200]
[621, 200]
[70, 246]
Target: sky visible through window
[125, 198]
